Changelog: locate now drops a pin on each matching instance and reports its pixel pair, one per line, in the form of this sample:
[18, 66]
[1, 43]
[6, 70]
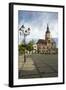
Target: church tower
[47, 34]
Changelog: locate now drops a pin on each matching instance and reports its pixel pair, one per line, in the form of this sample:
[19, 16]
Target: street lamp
[25, 33]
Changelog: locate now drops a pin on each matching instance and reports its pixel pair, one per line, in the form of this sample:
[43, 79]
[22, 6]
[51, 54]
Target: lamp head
[28, 29]
[22, 26]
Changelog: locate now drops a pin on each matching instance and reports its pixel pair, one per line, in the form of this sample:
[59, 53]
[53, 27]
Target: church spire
[47, 29]
[47, 34]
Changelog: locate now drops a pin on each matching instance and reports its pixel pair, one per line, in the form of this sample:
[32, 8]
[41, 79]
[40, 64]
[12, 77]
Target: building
[35, 48]
[47, 45]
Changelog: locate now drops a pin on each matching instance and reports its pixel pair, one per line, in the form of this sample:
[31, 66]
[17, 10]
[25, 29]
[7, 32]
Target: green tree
[29, 47]
[21, 48]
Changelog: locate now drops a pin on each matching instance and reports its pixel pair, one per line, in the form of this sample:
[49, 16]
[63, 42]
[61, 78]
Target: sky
[37, 21]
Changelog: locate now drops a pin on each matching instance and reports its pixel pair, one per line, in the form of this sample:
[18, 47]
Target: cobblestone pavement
[38, 66]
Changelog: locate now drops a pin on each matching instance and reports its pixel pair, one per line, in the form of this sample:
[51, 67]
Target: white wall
[4, 44]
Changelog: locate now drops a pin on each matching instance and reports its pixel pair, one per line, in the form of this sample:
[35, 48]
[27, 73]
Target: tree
[21, 48]
[29, 47]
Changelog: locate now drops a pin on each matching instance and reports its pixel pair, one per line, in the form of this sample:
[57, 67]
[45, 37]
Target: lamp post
[25, 33]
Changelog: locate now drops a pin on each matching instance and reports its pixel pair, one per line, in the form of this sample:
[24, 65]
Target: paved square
[38, 66]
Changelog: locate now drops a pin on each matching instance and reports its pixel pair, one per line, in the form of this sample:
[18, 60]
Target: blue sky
[37, 21]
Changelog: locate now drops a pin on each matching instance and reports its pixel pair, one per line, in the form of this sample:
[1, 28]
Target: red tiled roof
[41, 41]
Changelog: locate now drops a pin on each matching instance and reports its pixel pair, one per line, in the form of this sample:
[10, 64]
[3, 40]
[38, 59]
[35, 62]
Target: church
[47, 45]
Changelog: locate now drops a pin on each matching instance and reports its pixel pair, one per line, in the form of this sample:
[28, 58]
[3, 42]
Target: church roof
[41, 41]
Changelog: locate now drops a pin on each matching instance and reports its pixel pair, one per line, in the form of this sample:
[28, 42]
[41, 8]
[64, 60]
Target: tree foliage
[23, 47]
[30, 46]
